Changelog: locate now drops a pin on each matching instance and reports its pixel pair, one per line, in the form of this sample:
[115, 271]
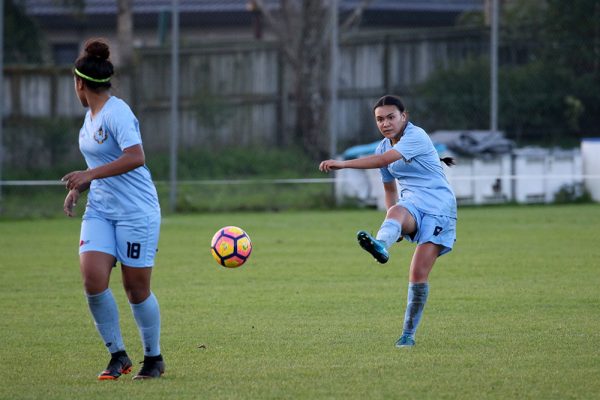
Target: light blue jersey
[102, 140]
[419, 173]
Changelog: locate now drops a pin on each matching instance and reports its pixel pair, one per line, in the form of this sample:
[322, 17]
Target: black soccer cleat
[119, 364]
[153, 367]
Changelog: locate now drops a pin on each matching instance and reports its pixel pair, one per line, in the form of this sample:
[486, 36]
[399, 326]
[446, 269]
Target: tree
[22, 37]
[303, 30]
[125, 32]
[569, 42]
[572, 31]
[549, 78]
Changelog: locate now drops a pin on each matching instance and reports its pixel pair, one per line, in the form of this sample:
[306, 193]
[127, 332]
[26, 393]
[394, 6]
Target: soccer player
[122, 216]
[423, 211]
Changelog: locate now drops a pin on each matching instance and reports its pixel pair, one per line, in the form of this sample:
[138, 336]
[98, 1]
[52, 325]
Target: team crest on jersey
[100, 136]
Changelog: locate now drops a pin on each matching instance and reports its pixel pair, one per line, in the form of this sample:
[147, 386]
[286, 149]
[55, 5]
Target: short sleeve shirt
[101, 141]
[419, 173]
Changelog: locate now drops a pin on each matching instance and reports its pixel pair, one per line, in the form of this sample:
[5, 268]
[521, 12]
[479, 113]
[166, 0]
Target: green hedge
[196, 168]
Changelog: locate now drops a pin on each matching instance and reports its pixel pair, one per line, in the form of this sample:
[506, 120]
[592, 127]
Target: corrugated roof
[419, 5]
[49, 7]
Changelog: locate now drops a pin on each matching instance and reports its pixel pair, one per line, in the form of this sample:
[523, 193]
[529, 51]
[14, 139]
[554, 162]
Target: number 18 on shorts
[132, 242]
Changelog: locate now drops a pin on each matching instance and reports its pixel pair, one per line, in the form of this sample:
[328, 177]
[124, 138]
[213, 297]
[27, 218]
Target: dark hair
[94, 63]
[391, 100]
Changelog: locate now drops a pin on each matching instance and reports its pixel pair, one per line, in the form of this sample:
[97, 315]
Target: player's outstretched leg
[153, 367]
[375, 247]
[390, 232]
[119, 364]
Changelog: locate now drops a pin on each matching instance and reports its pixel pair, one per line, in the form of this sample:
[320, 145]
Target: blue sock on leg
[147, 317]
[106, 317]
[390, 232]
[417, 297]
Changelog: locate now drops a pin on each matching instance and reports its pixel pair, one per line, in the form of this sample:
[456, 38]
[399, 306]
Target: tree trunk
[304, 31]
[125, 32]
[311, 124]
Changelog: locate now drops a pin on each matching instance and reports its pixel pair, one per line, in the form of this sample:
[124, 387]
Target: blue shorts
[132, 242]
[438, 229]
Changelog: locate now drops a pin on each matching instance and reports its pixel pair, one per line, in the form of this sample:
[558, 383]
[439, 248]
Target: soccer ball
[231, 246]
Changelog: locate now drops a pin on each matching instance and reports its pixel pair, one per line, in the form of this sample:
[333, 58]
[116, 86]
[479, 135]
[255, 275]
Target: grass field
[513, 312]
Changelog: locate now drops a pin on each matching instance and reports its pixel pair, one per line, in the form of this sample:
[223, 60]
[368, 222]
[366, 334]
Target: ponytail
[449, 161]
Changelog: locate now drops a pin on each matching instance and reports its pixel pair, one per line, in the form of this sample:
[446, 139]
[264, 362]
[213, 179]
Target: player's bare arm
[132, 158]
[369, 162]
[70, 202]
[71, 199]
[391, 194]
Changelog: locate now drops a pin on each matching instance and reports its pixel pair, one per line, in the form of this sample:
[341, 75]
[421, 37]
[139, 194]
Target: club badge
[100, 136]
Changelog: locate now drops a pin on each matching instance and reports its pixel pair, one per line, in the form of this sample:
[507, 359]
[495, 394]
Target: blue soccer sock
[106, 317]
[147, 317]
[390, 232]
[417, 297]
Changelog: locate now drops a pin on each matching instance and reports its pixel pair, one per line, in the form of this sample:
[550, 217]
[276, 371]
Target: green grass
[513, 311]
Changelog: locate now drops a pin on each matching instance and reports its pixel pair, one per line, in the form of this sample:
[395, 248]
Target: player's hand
[331, 165]
[75, 179]
[71, 202]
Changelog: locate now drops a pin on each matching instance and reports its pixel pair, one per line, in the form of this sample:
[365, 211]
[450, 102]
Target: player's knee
[136, 293]
[403, 216]
[395, 212]
[93, 287]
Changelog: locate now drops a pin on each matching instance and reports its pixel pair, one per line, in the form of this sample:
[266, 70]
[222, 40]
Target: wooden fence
[242, 93]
